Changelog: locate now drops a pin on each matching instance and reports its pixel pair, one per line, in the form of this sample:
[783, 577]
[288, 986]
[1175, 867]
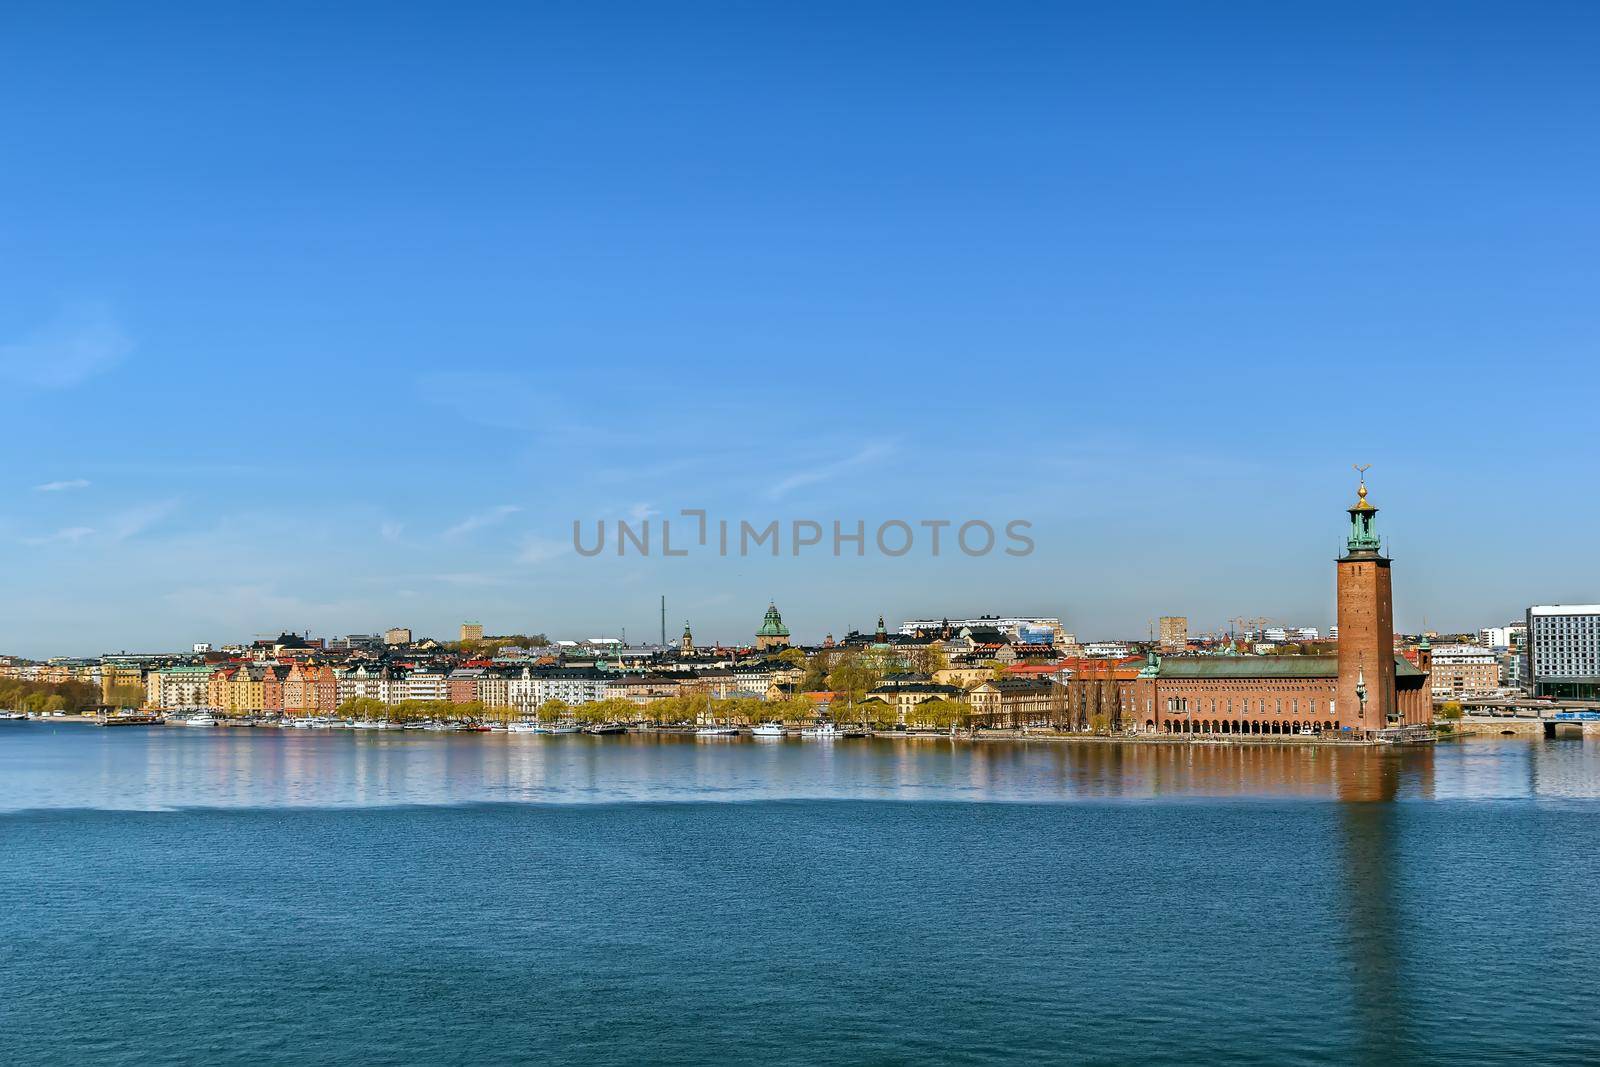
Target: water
[177, 896]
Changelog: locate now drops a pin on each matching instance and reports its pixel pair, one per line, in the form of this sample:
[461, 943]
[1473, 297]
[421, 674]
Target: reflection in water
[1369, 851]
[77, 766]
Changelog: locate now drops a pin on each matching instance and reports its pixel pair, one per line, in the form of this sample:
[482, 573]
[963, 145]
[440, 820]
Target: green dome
[772, 625]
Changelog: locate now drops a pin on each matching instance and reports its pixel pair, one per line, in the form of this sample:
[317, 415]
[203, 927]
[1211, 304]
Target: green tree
[1451, 711]
[940, 714]
[853, 675]
[554, 711]
[794, 657]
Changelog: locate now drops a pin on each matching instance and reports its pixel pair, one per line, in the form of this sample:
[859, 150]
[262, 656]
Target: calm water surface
[178, 896]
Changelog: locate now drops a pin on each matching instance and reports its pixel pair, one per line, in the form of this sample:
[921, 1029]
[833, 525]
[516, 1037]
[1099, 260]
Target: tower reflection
[1371, 858]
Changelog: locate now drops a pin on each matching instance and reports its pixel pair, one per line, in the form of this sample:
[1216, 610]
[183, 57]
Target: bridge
[1538, 717]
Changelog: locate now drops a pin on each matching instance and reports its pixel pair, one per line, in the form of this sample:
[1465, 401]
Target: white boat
[435, 724]
[364, 724]
[769, 729]
[205, 718]
[717, 731]
[823, 731]
[324, 724]
[13, 716]
[300, 724]
[522, 727]
[413, 726]
[566, 728]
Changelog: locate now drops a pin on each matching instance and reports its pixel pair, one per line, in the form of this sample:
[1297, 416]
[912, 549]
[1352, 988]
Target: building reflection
[1371, 853]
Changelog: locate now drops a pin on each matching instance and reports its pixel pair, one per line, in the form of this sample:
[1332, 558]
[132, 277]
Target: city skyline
[361, 344]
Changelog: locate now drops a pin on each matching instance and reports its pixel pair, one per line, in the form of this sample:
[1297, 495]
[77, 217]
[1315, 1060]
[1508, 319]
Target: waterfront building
[462, 684]
[180, 687]
[1564, 650]
[573, 685]
[643, 688]
[1363, 689]
[1018, 700]
[242, 692]
[360, 682]
[773, 633]
[273, 676]
[494, 689]
[117, 675]
[1461, 669]
[904, 692]
[426, 683]
[310, 689]
[522, 691]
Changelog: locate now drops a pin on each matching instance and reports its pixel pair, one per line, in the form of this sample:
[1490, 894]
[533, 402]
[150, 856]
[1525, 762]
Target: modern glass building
[1564, 651]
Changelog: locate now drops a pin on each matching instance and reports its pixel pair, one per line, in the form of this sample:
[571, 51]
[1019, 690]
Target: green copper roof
[1363, 538]
[1245, 667]
[772, 625]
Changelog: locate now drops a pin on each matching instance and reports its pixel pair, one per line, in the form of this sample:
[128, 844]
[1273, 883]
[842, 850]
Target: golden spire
[1362, 504]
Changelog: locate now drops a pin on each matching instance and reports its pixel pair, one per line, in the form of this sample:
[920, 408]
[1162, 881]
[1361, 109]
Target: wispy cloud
[135, 521]
[825, 472]
[391, 531]
[536, 550]
[69, 535]
[79, 343]
[62, 487]
[482, 519]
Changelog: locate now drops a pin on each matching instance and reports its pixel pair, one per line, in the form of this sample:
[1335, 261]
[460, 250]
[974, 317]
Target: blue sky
[335, 317]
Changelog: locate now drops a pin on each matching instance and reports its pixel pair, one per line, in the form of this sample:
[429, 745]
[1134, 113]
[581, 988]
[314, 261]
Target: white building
[179, 687]
[427, 685]
[574, 686]
[1462, 669]
[360, 682]
[1511, 635]
[1022, 629]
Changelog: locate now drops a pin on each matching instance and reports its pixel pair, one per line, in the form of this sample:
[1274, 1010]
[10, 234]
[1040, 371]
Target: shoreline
[970, 736]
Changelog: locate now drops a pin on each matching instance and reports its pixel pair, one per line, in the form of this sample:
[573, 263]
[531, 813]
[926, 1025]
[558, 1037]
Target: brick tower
[1365, 695]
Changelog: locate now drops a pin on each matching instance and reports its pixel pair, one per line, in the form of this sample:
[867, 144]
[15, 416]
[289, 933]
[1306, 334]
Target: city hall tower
[1365, 695]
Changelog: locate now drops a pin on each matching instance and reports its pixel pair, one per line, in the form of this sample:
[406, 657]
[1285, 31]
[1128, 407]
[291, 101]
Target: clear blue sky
[334, 317]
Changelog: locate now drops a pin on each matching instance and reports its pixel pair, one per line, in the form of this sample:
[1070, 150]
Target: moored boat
[607, 728]
[823, 731]
[769, 729]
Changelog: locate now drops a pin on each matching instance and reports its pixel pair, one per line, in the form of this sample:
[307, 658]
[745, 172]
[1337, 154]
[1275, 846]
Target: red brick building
[1364, 689]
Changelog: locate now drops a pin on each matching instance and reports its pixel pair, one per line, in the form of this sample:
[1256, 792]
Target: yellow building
[112, 676]
[471, 631]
